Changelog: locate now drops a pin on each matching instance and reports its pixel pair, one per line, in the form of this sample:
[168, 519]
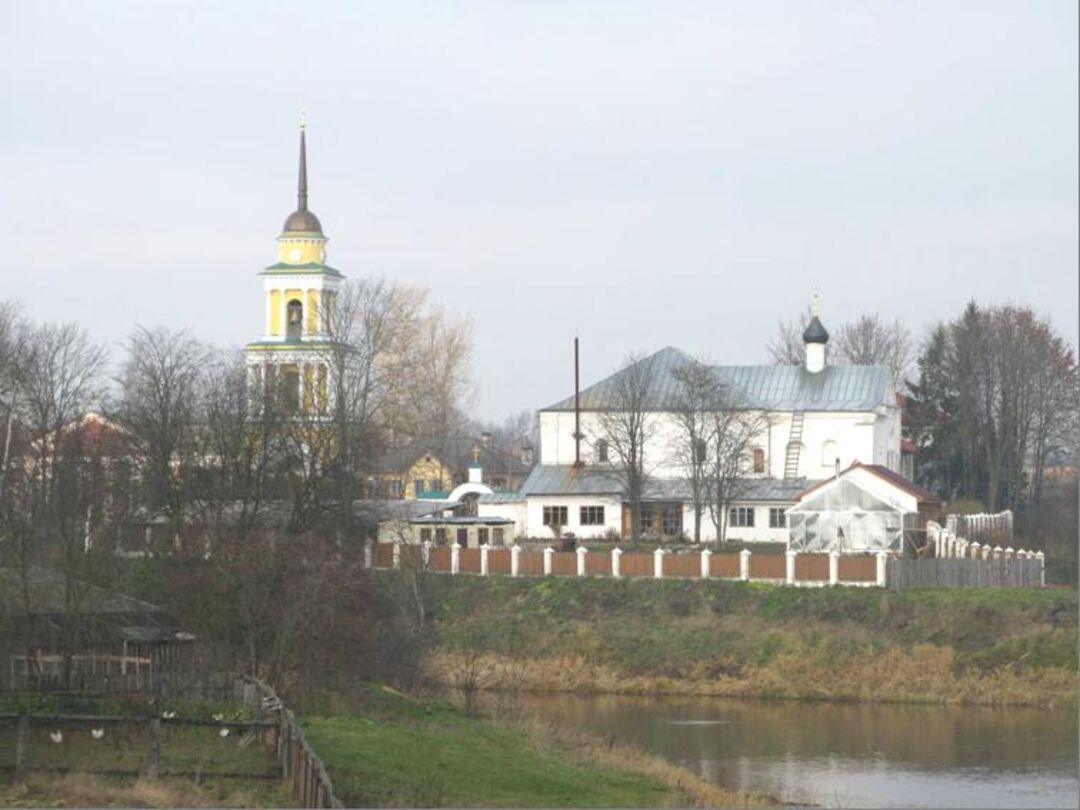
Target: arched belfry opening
[294, 320]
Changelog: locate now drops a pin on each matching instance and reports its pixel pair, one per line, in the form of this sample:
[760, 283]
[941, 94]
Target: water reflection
[846, 755]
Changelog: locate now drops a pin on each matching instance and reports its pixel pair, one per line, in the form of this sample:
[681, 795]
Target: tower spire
[302, 185]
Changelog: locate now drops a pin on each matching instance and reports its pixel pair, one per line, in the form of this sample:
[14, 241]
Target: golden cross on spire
[303, 119]
[813, 306]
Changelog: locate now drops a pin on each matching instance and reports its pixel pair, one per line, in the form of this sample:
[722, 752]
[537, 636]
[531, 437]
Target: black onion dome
[815, 332]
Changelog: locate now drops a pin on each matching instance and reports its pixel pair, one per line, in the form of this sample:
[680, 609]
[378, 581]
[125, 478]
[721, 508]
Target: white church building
[816, 417]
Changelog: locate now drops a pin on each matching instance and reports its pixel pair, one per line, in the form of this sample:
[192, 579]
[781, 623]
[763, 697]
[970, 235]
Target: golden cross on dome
[303, 119]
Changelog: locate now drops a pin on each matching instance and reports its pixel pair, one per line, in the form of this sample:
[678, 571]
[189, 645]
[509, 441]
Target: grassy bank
[1005, 647]
[87, 790]
[388, 749]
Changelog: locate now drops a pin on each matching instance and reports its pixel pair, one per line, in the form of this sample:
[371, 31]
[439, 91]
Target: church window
[701, 451]
[294, 320]
[602, 451]
[291, 390]
[759, 460]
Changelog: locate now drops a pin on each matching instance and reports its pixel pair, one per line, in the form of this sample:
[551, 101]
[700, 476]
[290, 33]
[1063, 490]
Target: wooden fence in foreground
[1009, 569]
[270, 745]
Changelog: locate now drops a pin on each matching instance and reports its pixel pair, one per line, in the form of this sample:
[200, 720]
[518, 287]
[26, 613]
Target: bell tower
[300, 295]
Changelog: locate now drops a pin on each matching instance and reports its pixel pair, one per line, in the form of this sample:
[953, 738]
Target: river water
[847, 755]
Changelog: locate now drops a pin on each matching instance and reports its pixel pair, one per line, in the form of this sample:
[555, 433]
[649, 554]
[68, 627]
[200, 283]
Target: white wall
[859, 436]
[535, 515]
[512, 511]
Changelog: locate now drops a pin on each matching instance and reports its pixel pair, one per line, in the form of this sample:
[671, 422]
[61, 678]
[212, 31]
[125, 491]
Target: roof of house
[920, 494]
[769, 388]
[56, 600]
[455, 452]
[565, 479]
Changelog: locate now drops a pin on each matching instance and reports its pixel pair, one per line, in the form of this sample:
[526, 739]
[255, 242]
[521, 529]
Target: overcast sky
[646, 174]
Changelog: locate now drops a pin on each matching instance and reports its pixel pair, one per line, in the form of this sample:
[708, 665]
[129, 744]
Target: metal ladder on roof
[794, 445]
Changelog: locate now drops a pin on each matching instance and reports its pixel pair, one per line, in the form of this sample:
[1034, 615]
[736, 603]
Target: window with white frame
[741, 516]
[602, 451]
[592, 516]
[759, 460]
[777, 518]
[556, 516]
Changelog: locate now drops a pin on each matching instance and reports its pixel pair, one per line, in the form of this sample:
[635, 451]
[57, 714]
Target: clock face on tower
[295, 254]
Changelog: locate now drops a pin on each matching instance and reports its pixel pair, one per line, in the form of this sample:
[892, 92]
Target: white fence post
[882, 562]
[616, 569]
[1041, 557]
[962, 548]
[1009, 553]
[515, 560]
[744, 565]
[789, 568]
[834, 567]
[987, 551]
[484, 560]
[658, 563]
[998, 552]
[976, 550]
[455, 558]
[705, 555]
[548, 554]
[369, 554]
[397, 556]
[581, 552]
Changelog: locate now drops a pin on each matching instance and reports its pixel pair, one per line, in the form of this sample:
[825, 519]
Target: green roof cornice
[310, 269]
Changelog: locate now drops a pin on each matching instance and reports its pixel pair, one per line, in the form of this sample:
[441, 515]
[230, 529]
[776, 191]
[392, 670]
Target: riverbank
[984, 647]
[384, 748]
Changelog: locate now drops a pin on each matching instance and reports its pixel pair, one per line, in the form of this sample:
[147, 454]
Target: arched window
[759, 460]
[602, 450]
[294, 320]
[829, 454]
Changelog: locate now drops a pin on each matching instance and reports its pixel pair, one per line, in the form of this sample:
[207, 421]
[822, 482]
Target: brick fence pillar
[397, 556]
[484, 559]
[549, 552]
[581, 552]
[616, 562]
[744, 565]
[455, 558]
[789, 568]
[882, 564]
[705, 555]
[834, 567]
[658, 563]
[515, 560]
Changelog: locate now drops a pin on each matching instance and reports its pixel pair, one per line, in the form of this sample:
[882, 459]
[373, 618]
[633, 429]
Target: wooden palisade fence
[310, 782]
[992, 567]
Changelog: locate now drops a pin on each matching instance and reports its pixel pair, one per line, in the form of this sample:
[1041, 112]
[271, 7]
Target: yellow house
[433, 467]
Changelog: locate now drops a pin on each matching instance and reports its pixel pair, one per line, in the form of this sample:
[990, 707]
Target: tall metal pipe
[577, 407]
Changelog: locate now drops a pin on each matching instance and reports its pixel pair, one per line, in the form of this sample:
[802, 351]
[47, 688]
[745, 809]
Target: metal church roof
[566, 479]
[764, 387]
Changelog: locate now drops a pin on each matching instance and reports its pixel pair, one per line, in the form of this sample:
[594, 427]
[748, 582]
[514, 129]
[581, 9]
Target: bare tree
[871, 341]
[160, 384]
[627, 426]
[735, 431]
[868, 340]
[786, 347]
[699, 395]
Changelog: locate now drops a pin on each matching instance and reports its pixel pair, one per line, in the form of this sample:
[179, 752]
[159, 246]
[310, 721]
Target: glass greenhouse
[845, 517]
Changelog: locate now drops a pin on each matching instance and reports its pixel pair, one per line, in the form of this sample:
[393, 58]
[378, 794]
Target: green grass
[694, 632]
[397, 751]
